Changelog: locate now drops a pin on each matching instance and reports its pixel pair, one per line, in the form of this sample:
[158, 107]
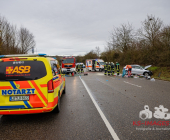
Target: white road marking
[111, 130]
[112, 77]
[132, 84]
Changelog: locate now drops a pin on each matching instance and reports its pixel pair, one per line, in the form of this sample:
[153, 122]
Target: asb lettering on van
[20, 86]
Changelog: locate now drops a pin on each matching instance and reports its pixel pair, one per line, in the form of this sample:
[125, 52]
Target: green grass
[162, 73]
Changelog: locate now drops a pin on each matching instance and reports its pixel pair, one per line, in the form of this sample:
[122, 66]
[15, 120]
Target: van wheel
[57, 108]
[64, 91]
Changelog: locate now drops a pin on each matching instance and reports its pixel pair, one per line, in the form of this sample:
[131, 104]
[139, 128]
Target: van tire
[64, 91]
[57, 108]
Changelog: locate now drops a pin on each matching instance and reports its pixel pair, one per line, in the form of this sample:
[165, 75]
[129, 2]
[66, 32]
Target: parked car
[139, 70]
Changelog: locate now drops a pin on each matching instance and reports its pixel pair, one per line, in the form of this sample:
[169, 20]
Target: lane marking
[132, 84]
[111, 130]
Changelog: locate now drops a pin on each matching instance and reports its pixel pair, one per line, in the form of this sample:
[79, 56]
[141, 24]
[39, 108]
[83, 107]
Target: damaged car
[140, 70]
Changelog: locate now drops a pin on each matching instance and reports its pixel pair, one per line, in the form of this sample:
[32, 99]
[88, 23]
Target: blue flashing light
[1, 56]
[41, 54]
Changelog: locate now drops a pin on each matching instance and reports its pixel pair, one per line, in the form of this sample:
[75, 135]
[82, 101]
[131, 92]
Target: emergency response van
[95, 64]
[30, 84]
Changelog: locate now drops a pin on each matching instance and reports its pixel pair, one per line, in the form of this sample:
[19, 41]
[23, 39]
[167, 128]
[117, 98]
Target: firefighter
[117, 68]
[78, 67]
[105, 68]
[82, 68]
[113, 68]
[109, 69]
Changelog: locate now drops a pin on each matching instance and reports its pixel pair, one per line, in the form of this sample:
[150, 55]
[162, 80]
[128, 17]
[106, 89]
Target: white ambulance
[95, 64]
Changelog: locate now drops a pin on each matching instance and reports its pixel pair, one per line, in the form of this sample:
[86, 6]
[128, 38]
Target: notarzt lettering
[18, 91]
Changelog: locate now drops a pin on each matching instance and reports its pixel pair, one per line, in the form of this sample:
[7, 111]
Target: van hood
[147, 67]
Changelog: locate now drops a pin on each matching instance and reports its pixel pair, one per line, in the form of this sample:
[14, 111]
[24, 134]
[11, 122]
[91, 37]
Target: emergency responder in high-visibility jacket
[113, 68]
[82, 68]
[78, 67]
[109, 69]
[129, 67]
[117, 68]
[105, 68]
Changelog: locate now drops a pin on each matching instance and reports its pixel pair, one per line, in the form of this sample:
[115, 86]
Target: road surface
[97, 107]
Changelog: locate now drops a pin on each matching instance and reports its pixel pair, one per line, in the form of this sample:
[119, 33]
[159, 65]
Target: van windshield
[68, 60]
[22, 70]
[101, 63]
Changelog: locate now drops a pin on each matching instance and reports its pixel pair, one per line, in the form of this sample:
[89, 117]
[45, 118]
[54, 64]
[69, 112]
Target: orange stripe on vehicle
[23, 84]
[43, 85]
[35, 101]
[52, 104]
[39, 91]
[56, 83]
[5, 87]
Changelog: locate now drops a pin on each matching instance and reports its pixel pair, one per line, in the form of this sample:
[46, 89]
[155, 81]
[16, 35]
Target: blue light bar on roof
[41, 54]
[22, 55]
[1, 56]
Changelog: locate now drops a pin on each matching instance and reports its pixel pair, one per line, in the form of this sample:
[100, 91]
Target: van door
[93, 65]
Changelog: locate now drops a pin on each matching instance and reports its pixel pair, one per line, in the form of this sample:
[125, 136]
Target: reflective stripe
[16, 106]
[25, 102]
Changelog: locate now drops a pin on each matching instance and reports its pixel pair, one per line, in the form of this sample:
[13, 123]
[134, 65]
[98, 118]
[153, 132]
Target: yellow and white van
[30, 84]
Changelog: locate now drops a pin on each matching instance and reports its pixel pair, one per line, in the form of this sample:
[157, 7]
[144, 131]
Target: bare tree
[26, 40]
[11, 41]
[97, 49]
[151, 28]
[122, 37]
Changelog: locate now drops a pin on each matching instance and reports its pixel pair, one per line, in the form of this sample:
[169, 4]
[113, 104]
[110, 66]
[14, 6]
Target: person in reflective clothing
[117, 68]
[129, 67]
[109, 69]
[78, 67]
[105, 68]
[113, 68]
[82, 68]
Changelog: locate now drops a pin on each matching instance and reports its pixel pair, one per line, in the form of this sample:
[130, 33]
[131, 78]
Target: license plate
[19, 98]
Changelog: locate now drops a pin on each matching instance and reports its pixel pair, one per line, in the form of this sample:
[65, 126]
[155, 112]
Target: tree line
[149, 44]
[13, 40]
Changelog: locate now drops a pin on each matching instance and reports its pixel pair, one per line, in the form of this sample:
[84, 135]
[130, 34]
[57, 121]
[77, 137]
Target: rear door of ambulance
[23, 83]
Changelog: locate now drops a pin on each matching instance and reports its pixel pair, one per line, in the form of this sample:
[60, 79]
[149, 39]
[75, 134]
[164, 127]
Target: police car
[30, 84]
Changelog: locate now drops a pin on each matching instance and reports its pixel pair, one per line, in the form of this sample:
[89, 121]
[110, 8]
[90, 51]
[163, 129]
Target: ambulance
[30, 84]
[95, 64]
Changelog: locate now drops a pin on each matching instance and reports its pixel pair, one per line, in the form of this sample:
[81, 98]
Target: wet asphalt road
[120, 99]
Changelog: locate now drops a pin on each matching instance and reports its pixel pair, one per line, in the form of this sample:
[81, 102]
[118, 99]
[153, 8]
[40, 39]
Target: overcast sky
[75, 27]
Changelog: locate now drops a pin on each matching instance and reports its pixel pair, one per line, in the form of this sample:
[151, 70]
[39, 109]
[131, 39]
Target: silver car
[139, 70]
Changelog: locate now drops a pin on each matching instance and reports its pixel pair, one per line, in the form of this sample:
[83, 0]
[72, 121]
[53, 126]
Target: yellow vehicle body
[29, 84]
